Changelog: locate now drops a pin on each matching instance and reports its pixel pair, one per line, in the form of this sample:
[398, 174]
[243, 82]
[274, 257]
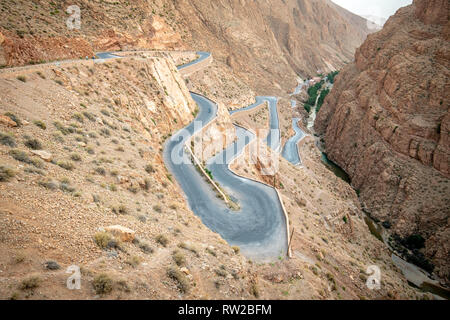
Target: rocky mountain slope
[387, 122]
[81, 152]
[266, 43]
[36, 31]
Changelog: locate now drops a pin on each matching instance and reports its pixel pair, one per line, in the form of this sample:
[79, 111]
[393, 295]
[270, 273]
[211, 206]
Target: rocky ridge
[266, 44]
[386, 123]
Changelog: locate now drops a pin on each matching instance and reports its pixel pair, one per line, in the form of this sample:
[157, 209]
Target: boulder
[7, 121]
[121, 233]
[185, 270]
[44, 155]
[52, 265]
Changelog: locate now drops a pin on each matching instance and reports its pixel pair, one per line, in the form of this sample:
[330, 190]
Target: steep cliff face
[266, 43]
[33, 31]
[387, 123]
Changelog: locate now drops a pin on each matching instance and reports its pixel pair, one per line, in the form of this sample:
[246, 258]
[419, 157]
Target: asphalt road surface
[259, 227]
[290, 150]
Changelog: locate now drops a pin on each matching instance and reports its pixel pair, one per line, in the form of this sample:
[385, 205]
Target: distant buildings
[313, 81]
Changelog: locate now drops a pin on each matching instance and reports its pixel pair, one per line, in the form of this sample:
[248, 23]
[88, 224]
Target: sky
[378, 8]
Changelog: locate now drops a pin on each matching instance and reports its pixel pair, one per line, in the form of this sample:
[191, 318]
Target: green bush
[307, 107]
[313, 92]
[6, 173]
[145, 247]
[332, 75]
[102, 284]
[66, 187]
[180, 278]
[134, 261]
[78, 117]
[66, 165]
[20, 155]
[40, 74]
[254, 290]
[75, 157]
[162, 240]
[102, 239]
[14, 118]
[149, 168]
[211, 252]
[89, 116]
[40, 124]
[221, 273]
[179, 258]
[7, 140]
[105, 132]
[64, 130]
[414, 241]
[30, 283]
[187, 247]
[321, 99]
[34, 144]
[100, 171]
[208, 172]
[48, 184]
[105, 112]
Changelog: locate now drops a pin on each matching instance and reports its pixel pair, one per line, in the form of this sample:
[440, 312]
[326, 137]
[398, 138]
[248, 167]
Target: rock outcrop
[44, 155]
[7, 121]
[265, 43]
[387, 123]
[122, 233]
[106, 26]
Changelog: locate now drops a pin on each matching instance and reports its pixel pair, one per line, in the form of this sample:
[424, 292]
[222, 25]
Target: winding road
[106, 55]
[259, 227]
[273, 139]
[290, 150]
[202, 56]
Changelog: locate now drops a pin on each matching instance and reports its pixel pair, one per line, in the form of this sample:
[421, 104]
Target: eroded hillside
[36, 31]
[81, 153]
[386, 122]
[266, 44]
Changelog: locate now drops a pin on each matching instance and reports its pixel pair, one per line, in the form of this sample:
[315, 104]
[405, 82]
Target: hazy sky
[378, 8]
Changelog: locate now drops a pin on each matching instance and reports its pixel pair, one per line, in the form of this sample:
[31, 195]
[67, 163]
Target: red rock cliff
[387, 123]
